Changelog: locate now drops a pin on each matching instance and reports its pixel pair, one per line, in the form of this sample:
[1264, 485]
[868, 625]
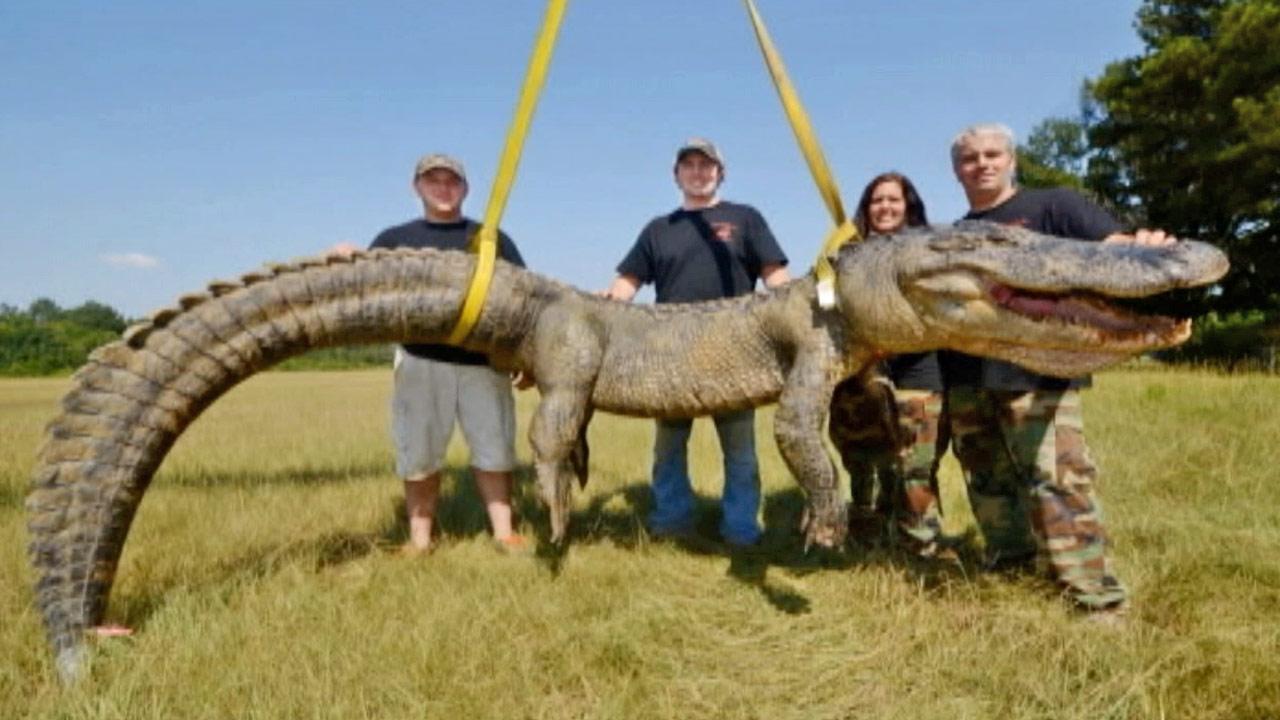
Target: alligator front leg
[558, 424]
[797, 427]
[569, 349]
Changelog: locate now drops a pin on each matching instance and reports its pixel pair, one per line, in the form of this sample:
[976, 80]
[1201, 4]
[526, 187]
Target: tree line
[45, 339]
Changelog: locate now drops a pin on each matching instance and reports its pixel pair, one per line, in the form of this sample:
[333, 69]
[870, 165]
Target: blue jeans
[673, 494]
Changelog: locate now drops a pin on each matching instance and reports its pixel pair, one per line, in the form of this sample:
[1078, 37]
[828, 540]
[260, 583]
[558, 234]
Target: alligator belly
[646, 390]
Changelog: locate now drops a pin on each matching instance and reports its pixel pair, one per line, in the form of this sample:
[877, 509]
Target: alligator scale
[981, 289]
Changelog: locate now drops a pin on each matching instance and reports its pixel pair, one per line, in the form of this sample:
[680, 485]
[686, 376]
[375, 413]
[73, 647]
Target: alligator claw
[556, 490]
[825, 523]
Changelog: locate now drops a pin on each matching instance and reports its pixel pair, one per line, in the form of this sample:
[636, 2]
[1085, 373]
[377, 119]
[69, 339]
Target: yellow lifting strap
[485, 242]
[844, 230]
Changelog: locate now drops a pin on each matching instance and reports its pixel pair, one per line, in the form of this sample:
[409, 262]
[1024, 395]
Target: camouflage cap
[436, 161]
[704, 146]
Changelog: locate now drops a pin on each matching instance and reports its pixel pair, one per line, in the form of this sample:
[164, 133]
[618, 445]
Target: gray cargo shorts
[427, 398]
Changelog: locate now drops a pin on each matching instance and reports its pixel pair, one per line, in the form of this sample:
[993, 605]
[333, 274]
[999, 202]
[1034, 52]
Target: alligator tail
[136, 396]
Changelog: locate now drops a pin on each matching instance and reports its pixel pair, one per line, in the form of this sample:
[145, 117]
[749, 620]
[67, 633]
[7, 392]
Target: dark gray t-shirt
[1057, 211]
[915, 371]
[707, 254]
[423, 233]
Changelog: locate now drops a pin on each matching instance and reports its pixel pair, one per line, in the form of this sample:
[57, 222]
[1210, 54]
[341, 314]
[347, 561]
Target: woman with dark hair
[885, 422]
[889, 203]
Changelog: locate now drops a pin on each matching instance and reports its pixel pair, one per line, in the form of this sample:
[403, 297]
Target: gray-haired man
[1019, 436]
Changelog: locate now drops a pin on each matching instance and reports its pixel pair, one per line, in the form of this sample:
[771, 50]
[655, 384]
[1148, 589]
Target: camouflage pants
[1031, 484]
[888, 440]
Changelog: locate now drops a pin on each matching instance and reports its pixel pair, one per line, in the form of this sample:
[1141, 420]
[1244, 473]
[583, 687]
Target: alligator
[1046, 303]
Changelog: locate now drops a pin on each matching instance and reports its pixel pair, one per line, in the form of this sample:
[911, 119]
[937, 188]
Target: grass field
[261, 580]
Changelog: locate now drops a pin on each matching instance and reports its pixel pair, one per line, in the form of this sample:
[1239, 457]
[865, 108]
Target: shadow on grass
[328, 550]
[614, 517]
[617, 518]
[782, 547]
[461, 514]
[300, 475]
[11, 496]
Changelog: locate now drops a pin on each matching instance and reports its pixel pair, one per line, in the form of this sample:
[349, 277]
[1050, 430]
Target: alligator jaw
[1066, 334]
[1061, 334]
[1112, 326]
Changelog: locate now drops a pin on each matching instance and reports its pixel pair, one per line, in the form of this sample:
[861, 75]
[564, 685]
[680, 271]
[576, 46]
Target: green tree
[43, 310]
[1055, 155]
[30, 348]
[1187, 135]
[46, 339]
[95, 316]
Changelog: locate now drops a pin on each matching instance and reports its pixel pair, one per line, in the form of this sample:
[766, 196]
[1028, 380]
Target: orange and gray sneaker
[514, 544]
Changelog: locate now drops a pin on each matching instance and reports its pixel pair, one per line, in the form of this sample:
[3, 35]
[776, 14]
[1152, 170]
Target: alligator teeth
[1086, 311]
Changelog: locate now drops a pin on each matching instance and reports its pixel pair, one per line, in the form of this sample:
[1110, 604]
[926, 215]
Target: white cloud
[133, 260]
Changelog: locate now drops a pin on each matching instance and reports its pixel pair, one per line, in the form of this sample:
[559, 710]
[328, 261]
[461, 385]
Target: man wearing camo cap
[436, 385]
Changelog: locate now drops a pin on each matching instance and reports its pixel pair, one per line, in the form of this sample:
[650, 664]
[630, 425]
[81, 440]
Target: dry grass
[260, 581]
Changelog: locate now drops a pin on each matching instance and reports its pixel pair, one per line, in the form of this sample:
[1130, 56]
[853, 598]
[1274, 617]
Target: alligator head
[1050, 304]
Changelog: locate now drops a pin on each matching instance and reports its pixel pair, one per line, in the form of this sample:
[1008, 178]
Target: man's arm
[1086, 219]
[1142, 237]
[387, 239]
[763, 246]
[508, 251]
[775, 274]
[624, 288]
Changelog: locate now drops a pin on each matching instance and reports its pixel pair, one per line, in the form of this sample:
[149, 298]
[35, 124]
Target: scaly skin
[941, 288]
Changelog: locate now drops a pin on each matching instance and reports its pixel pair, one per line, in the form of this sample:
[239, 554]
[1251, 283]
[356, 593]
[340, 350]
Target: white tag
[826, 295]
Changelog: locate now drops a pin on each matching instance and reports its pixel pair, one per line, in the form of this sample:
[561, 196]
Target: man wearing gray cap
[438, 384]
[706, 249]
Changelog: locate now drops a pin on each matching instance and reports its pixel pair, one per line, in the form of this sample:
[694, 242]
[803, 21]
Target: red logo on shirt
[724, 230]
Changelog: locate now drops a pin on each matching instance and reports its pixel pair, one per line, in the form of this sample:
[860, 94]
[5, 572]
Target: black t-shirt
[423, 233]
[1057, 211]
[706, 254]
[915, 371]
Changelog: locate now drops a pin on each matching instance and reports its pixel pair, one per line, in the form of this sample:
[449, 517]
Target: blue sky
[149, 147]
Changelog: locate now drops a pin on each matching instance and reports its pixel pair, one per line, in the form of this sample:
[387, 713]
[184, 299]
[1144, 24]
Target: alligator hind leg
[558, 437]
[797, 426]
[554, 486]
[580, 458]
[568, 351]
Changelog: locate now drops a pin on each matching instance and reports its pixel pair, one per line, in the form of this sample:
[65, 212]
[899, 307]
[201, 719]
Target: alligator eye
[955, 243]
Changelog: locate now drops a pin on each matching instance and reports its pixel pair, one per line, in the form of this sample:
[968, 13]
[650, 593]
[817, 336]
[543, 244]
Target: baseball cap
[702, 145]
[436, 161]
